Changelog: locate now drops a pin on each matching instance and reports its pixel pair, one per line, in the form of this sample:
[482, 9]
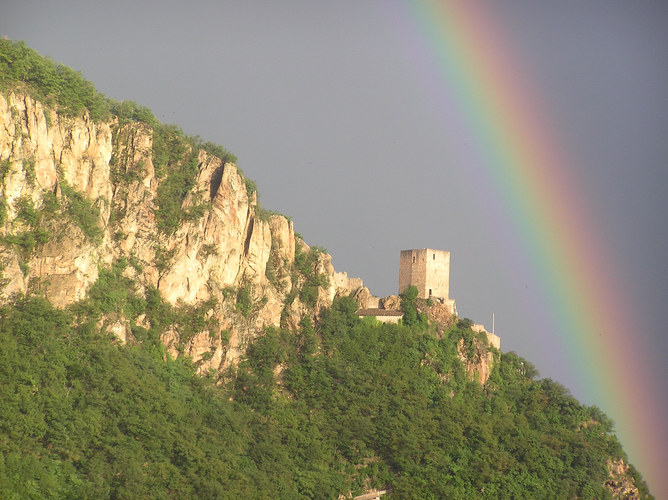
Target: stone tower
[426, 269]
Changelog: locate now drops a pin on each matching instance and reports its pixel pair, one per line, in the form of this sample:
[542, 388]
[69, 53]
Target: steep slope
[329, 410]
[79, 195]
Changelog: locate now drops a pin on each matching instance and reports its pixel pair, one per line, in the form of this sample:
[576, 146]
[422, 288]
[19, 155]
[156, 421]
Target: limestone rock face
[437, 312]
[480, 364]
[224, 248]
[620, 482]
[392, 302]
[364, 298]
[38, 154]
[64, 268]
[13, 279]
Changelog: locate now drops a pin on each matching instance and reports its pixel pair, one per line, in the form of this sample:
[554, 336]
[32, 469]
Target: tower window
[413, 259]
[430, 292]
[434, 256]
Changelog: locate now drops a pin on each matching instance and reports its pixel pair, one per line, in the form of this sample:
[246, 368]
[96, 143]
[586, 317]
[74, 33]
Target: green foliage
[394, 402]
[83, 212]
[276, 269]
[130, 111]
[189, 320]
[85, 418]
[174, 154]
[49, 82]
[244, 302]
[113, 292]
[332, 408]
[306, 272]
[29, 168]
[5, 167]
[176, 165]
[263, 214]
[50, 205]
[329, 409]
[163, 259]
[175, 161]
[207, 249]
[411, 315]
[214, 149]
[169, 147]
[251, 187]
[25, 211]
[26, 241]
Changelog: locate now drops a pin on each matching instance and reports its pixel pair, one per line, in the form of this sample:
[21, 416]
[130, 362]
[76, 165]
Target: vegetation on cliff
[70, 94]
[54, 84]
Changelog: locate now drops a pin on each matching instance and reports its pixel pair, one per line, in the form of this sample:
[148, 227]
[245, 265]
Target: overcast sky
[334, 109]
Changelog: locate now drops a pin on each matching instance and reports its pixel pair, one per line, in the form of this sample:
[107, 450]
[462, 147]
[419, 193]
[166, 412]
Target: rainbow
[535, 177]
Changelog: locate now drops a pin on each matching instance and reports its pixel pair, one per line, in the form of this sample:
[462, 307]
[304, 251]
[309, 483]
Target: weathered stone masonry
[426, 269]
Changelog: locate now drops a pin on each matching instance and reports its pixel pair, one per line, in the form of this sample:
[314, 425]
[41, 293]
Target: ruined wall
[426, 269]
[494, 340]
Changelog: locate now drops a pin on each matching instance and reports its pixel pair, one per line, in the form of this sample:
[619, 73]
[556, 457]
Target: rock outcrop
[225, 245]
[478, 361]
[620, 482]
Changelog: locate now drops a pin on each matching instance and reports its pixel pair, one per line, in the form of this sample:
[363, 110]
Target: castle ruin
[426, 269]
[429, 271]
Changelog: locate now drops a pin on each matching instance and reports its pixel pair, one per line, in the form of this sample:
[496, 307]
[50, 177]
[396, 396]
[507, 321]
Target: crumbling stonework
[493, 340]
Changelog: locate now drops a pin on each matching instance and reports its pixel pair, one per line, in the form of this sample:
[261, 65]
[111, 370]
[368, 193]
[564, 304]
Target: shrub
[83, 212]
[244, 301]
[50, 82]
[215, 149]
[5, 167]
[26, 240]
[251, 187]
[306, 265]
[411, 314]
[29, 168]
[50, 204]
[130, 111]
[26, 211]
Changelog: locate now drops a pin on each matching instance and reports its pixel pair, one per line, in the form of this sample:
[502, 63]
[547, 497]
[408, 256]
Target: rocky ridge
[48, 159]
[230, 248]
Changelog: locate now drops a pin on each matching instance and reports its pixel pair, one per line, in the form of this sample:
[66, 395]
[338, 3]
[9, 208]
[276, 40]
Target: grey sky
[333, 109]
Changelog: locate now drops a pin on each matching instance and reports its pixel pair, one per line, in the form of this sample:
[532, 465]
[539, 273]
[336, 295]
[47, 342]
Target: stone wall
[493, 340]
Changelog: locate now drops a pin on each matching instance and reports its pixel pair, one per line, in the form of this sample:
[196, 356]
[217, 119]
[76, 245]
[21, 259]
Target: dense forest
[336, 406]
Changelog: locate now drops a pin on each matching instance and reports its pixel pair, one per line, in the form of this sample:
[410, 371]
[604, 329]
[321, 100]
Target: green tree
[412, 316]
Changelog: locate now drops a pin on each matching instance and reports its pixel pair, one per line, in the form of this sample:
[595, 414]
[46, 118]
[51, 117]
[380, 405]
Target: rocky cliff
[78, 195]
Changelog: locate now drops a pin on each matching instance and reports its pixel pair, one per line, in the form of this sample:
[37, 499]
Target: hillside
[162, 335]
[83, 189]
